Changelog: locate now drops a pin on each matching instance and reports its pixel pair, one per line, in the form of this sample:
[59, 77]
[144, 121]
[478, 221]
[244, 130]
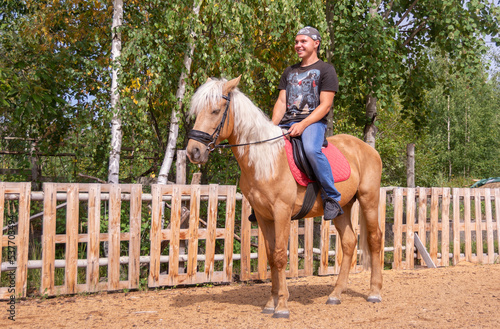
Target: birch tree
[116, 121]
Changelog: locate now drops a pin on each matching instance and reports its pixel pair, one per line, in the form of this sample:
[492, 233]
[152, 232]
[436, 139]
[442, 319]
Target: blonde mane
[250, 125]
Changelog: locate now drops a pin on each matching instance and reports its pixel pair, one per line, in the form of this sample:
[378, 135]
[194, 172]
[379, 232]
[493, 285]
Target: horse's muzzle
[197, 152]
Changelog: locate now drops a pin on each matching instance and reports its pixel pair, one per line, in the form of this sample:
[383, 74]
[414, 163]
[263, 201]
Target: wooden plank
[478, 217]
[456, 225]
[497, 215]
[422, 215]
[135, 237]
[398, 222]
[433, 249]
[245, 240]
[489, 225]
[423, 251]
[467, 223]
[114, 237]
[382, 207]
[308, 246]
[72, 220]
[355, 228]
[2, 210]
[211, 229]
[262, 260]
[294, 249]
[155, 236]
[175, 225]
[23, 236]
[194, 222]
[410, 220]
[445, 232]
[229, 237]
[324, 246]
[94, 228]
[48, 239]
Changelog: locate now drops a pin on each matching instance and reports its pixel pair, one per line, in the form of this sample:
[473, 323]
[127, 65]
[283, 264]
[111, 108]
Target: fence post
[246, 227]
[410, 221]
[94, 229]
[410, 165]
[23, 239]
[479, 230]
[398, 223]
[456, 225]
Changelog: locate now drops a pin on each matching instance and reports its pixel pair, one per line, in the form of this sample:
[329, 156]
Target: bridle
[209, 140]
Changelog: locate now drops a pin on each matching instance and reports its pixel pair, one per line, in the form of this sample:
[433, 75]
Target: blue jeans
[312, 140]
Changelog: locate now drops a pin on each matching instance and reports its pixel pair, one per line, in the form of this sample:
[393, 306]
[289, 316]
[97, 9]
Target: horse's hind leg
[348, 240]
[369, 208]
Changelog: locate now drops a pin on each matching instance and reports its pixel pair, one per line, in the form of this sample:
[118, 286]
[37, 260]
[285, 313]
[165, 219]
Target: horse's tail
[366, 257]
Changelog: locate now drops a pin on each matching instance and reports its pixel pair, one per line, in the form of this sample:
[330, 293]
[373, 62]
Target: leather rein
[209, 140]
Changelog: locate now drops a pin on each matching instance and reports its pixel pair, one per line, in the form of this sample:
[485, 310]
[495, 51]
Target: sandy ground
[463, 296]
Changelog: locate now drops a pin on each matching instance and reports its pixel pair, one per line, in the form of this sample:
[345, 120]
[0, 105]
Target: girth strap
[312, 191]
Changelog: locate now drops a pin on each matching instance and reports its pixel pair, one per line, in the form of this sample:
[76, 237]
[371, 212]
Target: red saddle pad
[340, 167]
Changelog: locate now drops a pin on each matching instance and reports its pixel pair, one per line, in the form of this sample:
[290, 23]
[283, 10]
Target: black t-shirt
[303, 86]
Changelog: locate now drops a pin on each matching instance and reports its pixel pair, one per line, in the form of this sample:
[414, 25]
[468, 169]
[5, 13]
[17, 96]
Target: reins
[209, 140]
[224, 146]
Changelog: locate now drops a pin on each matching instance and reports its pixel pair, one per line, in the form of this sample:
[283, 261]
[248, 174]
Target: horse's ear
[230, 85]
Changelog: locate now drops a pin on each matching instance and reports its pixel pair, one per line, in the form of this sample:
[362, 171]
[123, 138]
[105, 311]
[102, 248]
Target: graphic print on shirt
[302, 92]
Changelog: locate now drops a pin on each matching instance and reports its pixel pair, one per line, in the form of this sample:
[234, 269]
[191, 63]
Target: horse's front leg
[280, 260]
[276, 235]
[267, 228]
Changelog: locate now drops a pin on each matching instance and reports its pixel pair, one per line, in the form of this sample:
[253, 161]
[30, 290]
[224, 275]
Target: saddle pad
[341, 169]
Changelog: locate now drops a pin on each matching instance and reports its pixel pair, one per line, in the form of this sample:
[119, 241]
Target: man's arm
[280, 107]
[325, 103]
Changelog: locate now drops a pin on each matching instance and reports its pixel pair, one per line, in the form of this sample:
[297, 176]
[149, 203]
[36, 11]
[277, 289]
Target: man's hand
[297, 129]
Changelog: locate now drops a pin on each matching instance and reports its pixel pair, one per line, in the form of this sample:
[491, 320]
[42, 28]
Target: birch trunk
[116, 122]
[174, 123]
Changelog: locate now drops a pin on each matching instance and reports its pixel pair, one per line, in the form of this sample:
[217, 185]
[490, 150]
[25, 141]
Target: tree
[116, 122]
[464, 122]
[43, 74]
[378, 48]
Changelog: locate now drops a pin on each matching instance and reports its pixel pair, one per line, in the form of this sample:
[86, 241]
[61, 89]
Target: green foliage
[55, 78]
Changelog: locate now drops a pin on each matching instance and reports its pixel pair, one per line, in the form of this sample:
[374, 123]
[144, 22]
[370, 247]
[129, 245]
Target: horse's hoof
[268, 311]
[281, 315]
[374, 299]
[333, 301]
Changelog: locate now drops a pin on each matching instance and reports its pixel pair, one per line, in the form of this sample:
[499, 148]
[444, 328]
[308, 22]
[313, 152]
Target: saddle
[304, 175]
[304, 166]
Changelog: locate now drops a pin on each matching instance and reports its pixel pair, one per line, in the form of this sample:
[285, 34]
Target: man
[306, 95]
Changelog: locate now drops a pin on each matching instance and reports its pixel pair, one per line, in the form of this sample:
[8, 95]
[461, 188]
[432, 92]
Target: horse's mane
[250, 125]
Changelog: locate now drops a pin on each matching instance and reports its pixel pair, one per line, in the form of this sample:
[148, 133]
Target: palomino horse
[223, 112]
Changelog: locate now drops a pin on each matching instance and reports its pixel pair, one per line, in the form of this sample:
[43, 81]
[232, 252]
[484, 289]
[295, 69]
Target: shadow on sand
[257, 294]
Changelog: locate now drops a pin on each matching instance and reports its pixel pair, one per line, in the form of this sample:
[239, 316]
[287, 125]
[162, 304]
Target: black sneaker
[331, 208]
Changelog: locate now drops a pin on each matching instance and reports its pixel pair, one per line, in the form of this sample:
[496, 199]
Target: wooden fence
[454, 225]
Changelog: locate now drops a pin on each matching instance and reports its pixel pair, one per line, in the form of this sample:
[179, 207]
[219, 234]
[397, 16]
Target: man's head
[306, 38]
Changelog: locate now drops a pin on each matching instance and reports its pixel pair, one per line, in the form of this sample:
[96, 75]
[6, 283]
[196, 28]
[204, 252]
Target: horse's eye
[215, 111]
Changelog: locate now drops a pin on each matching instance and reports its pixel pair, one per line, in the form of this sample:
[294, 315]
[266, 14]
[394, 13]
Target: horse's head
[214, 119]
